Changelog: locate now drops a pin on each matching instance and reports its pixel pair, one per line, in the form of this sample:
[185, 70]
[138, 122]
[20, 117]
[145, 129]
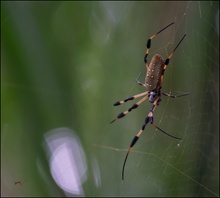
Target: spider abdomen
[154, 73]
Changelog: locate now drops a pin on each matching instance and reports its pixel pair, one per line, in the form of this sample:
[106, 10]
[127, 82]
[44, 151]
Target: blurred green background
[63, 64]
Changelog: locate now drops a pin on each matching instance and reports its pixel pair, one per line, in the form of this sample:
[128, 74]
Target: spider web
[65, 63]
[159, 165]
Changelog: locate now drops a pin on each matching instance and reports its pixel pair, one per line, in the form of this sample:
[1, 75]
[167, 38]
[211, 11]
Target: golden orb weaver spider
[153, 84]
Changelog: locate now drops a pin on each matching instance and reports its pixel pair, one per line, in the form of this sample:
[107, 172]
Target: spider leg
[168, 60]
[135, 105]
[140, 83]
[133, 142]
[135, 139]
[131, 98]
[149, 43]
[176, 47]
[173, 96]
[148, 119]
[166, 132]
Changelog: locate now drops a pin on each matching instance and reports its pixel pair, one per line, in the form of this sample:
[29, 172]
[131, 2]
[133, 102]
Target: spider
[153, 84]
